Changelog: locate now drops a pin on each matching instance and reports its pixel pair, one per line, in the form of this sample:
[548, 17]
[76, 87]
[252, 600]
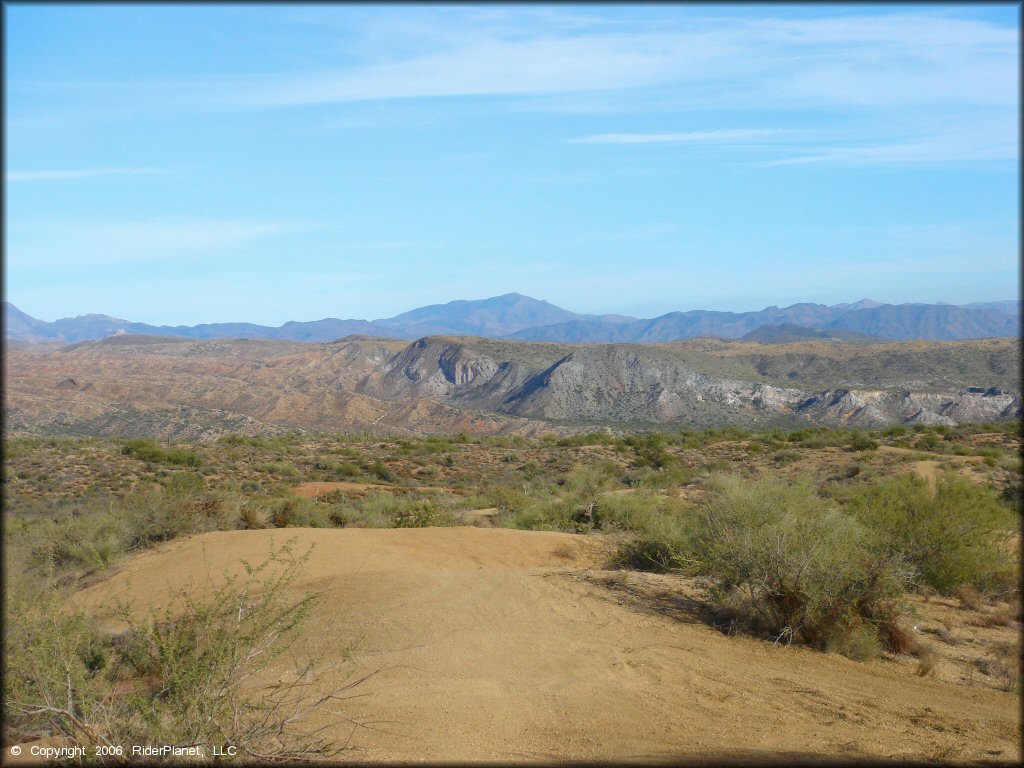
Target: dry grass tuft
[969, 597]
[1002, 616]
[894, 637]
[927, 660]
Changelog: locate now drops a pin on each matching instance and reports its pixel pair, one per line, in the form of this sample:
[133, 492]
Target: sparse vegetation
[954, 537]
[789, 564]
[813, 537]
[188, 674]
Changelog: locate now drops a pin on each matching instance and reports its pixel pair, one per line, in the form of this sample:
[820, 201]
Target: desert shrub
[530, 469]
[421, 514]
[592, 438]
[641, 512]
[789, 564]
[659, 529]
[650, 450]
[347, 469]
[380, 509]
[785, 456]
[584, 486]
[152, 516]
[546, 515]
[1003, 666]
[505, 498]
[279, 468]
[181, 676]
[647, 554]
[254, 515]
[147, 449]
[183, 484]
[954, 537]
[970, 599]
[338, 515]
[381, 472]
[861, 442]
[300, 513]
[97, 533]
[672, 476]
[930, 442]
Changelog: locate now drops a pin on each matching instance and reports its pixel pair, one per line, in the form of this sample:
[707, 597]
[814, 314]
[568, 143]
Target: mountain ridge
[198, 389]
[516, 316]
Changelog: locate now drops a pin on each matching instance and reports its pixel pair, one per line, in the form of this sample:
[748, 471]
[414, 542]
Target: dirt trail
[317, 489]
[929, 469]
[496, 646]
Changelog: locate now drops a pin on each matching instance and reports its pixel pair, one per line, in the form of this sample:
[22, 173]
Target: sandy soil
[504, 645]
[315, 490]
[929, 469]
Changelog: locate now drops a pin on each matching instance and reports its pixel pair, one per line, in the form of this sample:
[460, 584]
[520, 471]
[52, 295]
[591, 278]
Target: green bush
[180, 676]
[301, 513]
[422, 514]
[148, 449]
[546, 515]
[347, 469]
[650, 450]
[958, 535]
[861, 442]
[647, 554]
[787, 563]
[97, 533]
[381, 472]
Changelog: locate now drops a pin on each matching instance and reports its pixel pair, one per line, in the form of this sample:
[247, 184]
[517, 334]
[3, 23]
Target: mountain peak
[515, 315]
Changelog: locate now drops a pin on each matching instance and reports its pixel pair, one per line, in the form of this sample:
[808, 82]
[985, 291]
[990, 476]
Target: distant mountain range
[514, 316]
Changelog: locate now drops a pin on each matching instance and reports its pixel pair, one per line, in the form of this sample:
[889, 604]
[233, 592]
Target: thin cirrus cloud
[976, 141]
[488, 67]
[68, 243]
[61, 175]
[889, 59]
[723, 136]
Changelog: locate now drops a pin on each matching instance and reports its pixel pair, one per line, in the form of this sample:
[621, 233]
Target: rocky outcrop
[446, 384]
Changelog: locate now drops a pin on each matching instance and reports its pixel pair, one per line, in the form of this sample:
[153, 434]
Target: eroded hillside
[131, 385]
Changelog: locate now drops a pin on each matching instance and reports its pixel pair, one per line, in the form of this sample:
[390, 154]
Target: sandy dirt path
[929, 469]
[497, 645]
[317, 489]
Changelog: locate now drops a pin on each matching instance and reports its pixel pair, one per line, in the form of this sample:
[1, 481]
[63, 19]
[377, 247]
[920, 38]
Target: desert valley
[465, 548]
[511, 384]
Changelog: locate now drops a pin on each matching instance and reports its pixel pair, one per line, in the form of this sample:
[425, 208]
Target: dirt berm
[495, 646]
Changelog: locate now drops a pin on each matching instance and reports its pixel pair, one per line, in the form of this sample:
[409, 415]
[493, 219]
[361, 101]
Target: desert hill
[131, 385]
[785, 333]
[494, 644]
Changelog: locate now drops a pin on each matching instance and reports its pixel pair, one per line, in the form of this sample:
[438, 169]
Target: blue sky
[184, 164]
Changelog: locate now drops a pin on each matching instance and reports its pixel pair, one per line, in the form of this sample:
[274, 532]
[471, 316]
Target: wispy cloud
[884, 67]
[71, 242]
[976, 140]
[12, 176]
[724, 136]
[885, 59]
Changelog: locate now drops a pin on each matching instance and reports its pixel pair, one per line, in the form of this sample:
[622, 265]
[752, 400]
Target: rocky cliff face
[172, 387]
[611, 384]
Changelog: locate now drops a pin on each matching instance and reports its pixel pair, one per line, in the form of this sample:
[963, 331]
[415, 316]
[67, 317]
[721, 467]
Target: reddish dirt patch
[315, 490]
[318, 489]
